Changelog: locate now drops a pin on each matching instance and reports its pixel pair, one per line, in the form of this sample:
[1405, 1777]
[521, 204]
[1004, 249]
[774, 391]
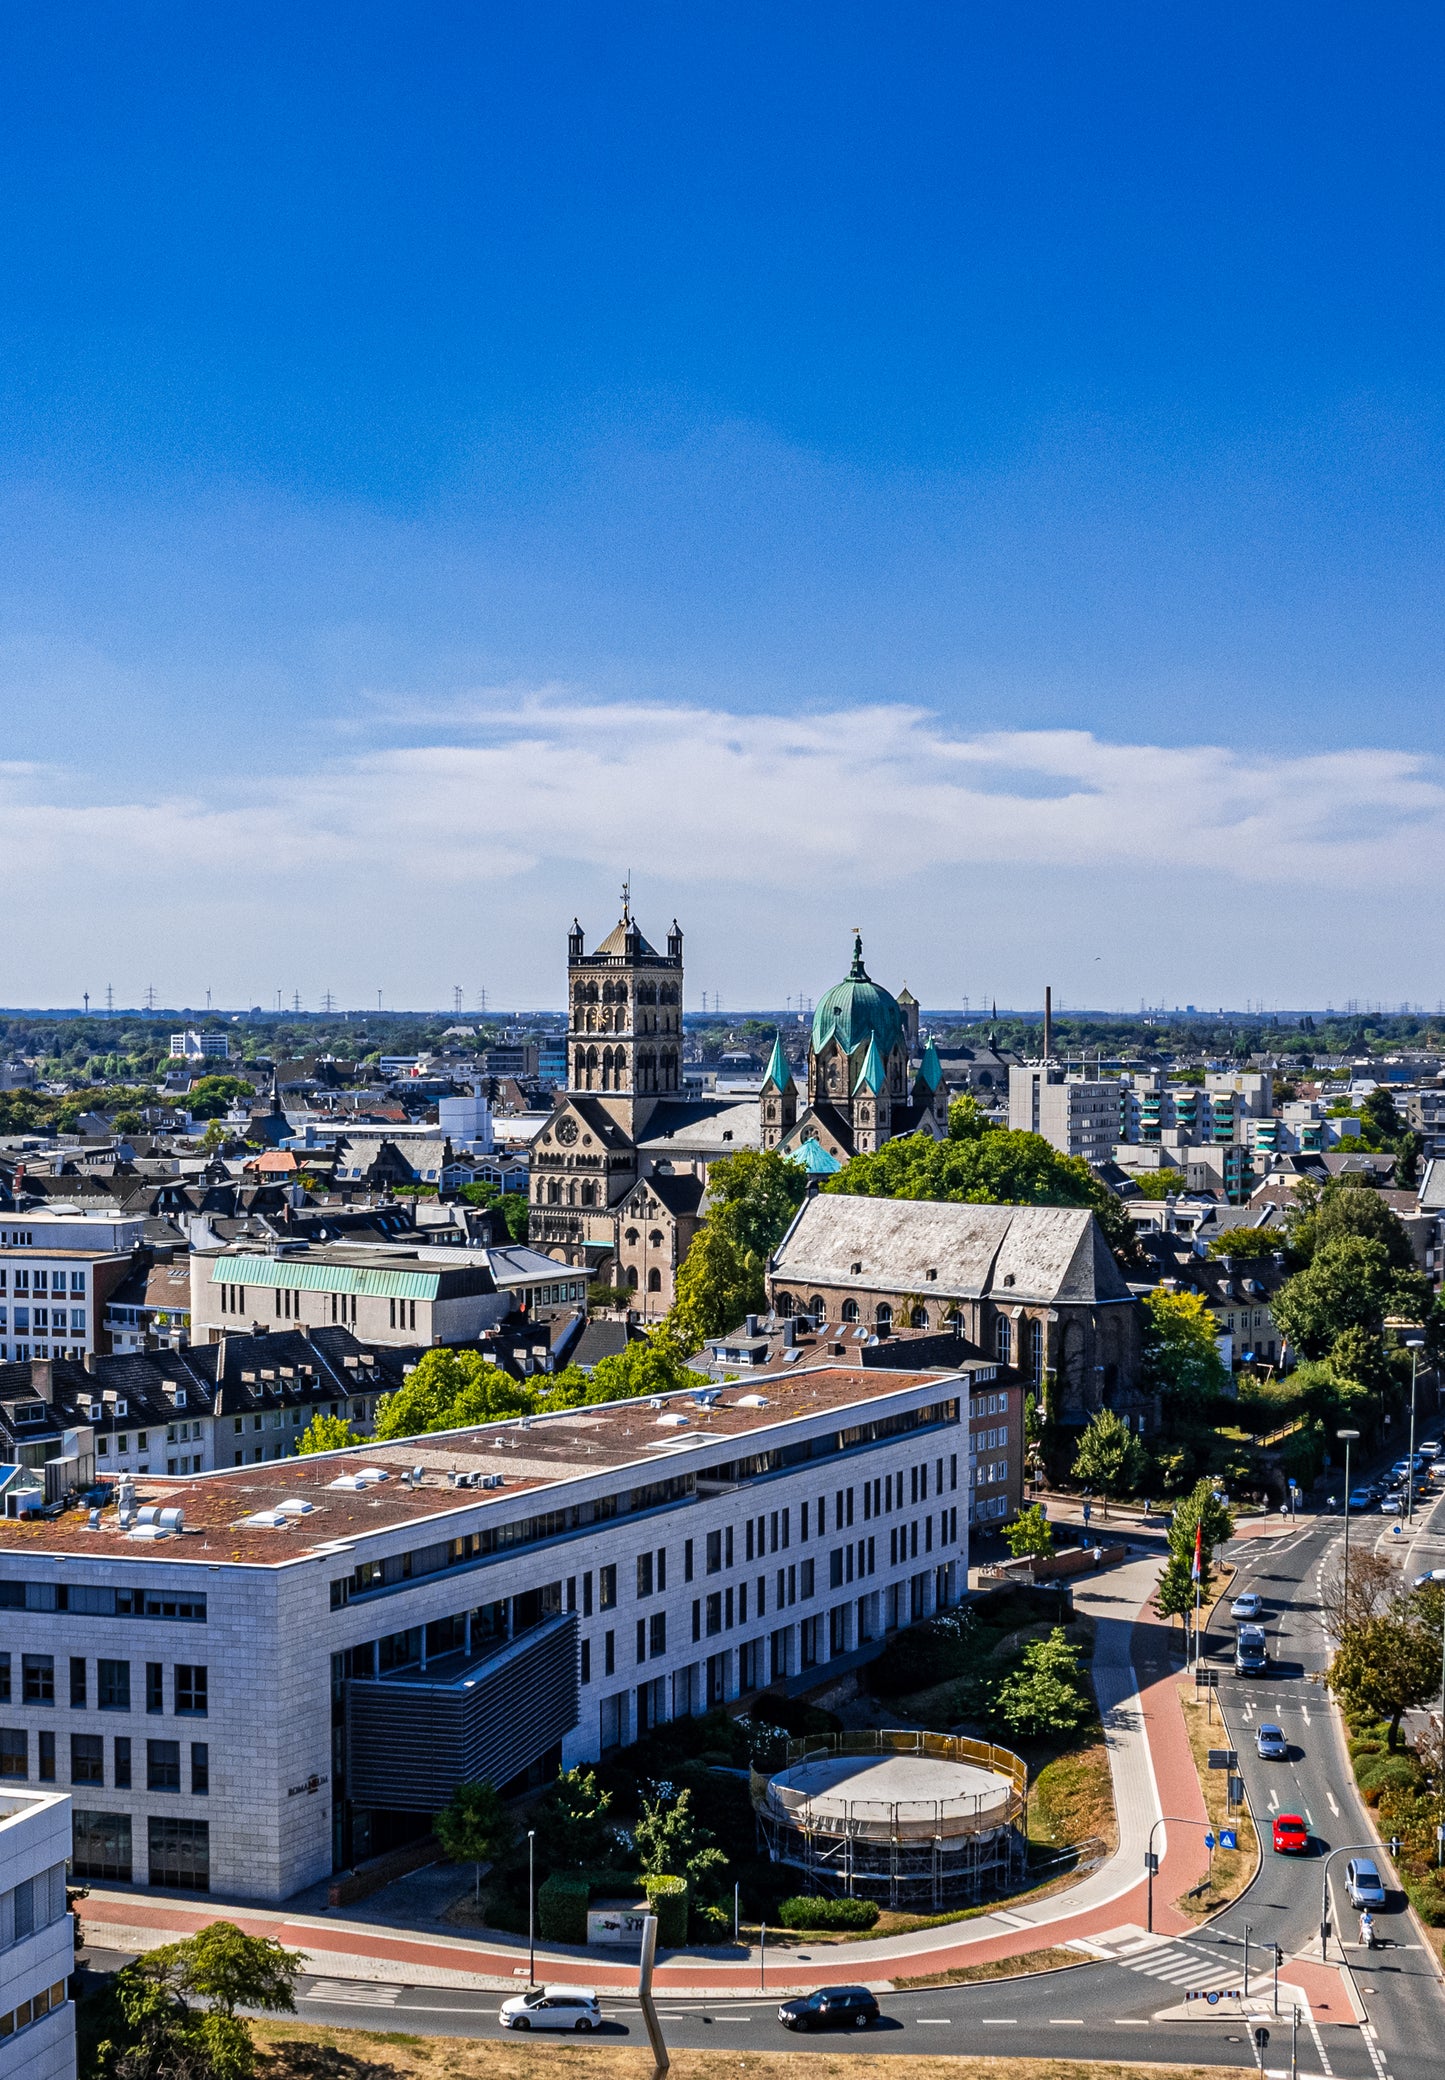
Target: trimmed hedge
[1378, 1774]
[562, 1908]
[802, 1912]
[667, 1898]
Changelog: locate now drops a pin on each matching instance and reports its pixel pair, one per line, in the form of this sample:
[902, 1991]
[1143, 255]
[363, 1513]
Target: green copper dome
[857, 1011]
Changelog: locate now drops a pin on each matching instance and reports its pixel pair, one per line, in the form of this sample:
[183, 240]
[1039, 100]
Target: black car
[831, 2007]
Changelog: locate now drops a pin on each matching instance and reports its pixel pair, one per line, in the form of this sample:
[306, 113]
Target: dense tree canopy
[752, 1198]
[1110, 1458]
[1349, 1283]
[1346, 1206]
[1181, 1350]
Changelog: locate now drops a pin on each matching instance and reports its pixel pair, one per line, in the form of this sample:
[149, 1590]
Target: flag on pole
[1196, 1572]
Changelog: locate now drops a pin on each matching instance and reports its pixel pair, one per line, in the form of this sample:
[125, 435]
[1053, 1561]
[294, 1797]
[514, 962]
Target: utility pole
[457, 999]
[296, 1001]
[150, 996]
[109, 1001]
[86, 997]
[328, 1003]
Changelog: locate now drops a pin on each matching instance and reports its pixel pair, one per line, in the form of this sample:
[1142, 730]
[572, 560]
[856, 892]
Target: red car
[1291, 1835]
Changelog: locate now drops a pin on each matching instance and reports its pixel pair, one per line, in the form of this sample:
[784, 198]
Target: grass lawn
[1231, 1869]
[306, 2051]
[1050, 1960]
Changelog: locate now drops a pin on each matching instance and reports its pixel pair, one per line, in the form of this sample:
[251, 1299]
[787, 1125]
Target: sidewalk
[1135, 1673]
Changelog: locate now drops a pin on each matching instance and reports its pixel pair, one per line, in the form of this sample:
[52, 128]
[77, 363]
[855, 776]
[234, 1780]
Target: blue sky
[973, 472]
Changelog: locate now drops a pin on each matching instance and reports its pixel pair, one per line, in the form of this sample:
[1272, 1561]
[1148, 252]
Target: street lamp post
[1151, 1861]
[1347, 1438]
[531, 1908]
[1414, 1345]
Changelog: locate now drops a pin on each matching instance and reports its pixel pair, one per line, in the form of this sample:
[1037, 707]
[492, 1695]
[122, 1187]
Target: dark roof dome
[857, 1011]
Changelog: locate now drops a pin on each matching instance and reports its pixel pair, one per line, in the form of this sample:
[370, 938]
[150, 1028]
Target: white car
[1248, 1606]
[552, 2007]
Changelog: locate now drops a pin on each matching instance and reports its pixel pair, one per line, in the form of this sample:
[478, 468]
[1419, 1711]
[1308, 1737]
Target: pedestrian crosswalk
[1190, 1969]
[356, 1993]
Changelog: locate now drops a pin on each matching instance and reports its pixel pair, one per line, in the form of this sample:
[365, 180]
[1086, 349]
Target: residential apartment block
[1077, 1115]
[286, 1668]
[57, 1273]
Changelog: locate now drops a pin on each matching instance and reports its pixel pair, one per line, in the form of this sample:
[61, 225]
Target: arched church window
[785, 1307]
[631, 1237]
[919, 1318]
[655, 1238]
[629, 1277]
[818, 1309]
[883, 1318]
[1036, 1351]
[554, 1193]
[654, 1280]
[849, 1311]
[1004, 1340]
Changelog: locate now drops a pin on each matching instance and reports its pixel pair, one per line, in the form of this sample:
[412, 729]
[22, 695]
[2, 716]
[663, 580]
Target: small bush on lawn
[1361, 1748]
[709, 1924]
[801, 1912]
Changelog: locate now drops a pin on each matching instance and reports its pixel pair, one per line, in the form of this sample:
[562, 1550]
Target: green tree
[1214, 1519]
[1181, 1350]
[1349, 1283]
[1247, 1245]
[575, 1830]
[449, 1389]
[1384, 1668]
[326, 1434]
[229, 1969]
[1110, 1457]
[1347, 1206]
[1045, 1694]
[1175, 1594]
[516, 1211]
[212, 1095]
[1030, 1534]
[672, 1843]
[718, 1283]
[1157, 1184]
[475, 1827]
[655, 1364]
[752, 1198]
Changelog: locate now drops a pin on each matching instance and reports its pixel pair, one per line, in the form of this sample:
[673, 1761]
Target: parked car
[1363, 1883]
[1291, 1835]
[1270, 1744]
[552, 2007]
[1247, 1606]
[830, 2007]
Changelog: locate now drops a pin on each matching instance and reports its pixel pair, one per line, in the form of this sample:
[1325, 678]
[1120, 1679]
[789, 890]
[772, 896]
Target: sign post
[660, 2059]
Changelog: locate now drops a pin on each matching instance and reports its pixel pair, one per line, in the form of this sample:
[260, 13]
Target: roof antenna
[627, 897]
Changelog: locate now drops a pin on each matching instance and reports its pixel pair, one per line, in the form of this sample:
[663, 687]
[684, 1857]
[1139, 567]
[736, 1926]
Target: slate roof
[1047, 1254]
[715, 1125]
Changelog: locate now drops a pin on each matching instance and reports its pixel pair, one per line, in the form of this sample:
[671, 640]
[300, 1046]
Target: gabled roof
[872, 1076]
[1046, 1254]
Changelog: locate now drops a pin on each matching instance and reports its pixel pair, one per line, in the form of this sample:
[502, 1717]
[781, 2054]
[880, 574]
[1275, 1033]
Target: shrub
[709, 1923]
[1427, 1897]
[562, 1908]
[1364, 1747]
[803, 1912]
[934, 1652]
[1378, 1774]
[668, 1899]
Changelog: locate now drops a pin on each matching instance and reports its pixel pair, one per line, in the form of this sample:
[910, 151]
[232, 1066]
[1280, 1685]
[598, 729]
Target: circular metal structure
[914, 1817]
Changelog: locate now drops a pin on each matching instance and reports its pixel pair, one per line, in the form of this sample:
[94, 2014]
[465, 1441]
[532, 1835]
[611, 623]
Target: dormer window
[30, 1412]
[180, 1397]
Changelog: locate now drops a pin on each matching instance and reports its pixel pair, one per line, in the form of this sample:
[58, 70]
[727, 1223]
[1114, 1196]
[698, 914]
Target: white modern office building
[37, 1942]
[286, 1667]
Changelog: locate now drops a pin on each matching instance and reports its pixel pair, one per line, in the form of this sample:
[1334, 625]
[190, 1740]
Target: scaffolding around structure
[916, 1854]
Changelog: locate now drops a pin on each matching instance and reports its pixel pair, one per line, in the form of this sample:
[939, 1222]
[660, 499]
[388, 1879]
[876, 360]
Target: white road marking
[1273, 1799]
[1066, 2021]
[999, 2021]
[358, 1992]
[934, 2021]
[1131, 2022]
[1330, 1801]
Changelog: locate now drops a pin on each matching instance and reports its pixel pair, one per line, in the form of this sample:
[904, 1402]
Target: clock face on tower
[566, 1130]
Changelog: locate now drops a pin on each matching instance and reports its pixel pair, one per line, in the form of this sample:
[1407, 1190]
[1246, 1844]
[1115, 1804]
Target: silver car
[1270, 1744]
[1363, 1883]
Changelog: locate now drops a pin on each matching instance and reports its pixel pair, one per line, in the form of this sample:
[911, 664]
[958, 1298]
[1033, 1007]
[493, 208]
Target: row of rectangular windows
[724, 1608]
[190, 1684]
[38, 2006]
[402, 1567]
[87, 1761]
[39, 1319]
[86, 1600]
[40, 1281]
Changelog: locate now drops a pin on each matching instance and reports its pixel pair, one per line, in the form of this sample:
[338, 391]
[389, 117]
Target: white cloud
[877, 795]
